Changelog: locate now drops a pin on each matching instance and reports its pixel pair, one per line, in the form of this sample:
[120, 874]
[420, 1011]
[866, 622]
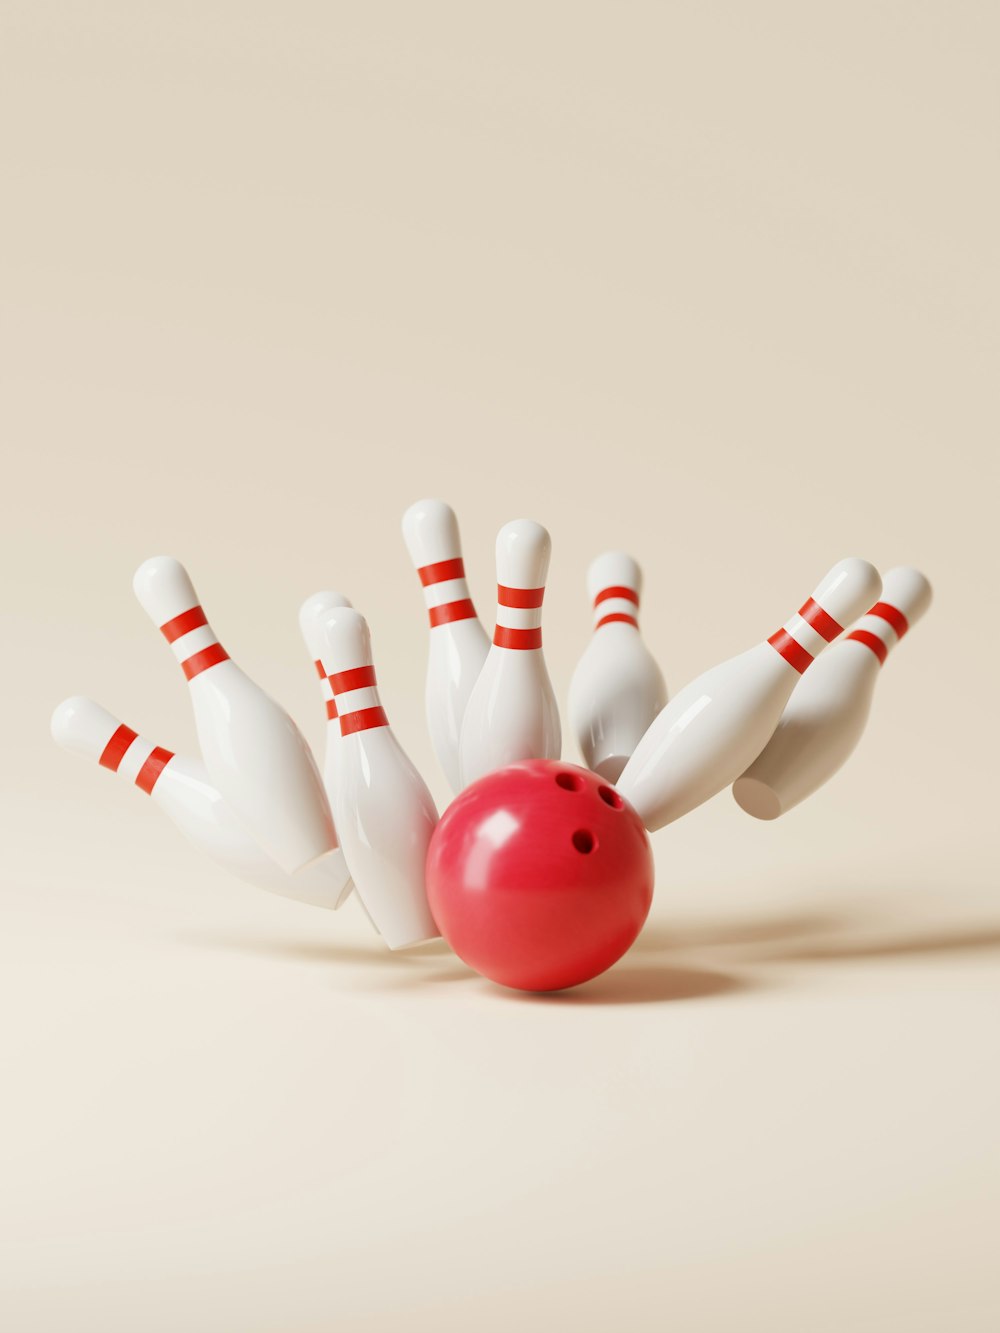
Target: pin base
[756, 798]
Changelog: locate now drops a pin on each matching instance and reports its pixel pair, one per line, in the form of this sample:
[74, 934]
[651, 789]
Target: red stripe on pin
[824, 625]
[183, 624]
[114, 752]
[331, 709]
[444, 615]
[147, 776]
[791, 650]
[319, 669]
[892, 616]
[358, 678]
[362, 720]
[442, 571]
[208, 657]
[627, 593]
[525, 598]
[871, 641]
[505, 637]
[617, 615]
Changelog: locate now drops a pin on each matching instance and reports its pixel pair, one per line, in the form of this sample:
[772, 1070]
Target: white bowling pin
[458, 642]
[828, 711]
[617, 688]
[254, 753]
[310, 616]
[711, 731]
[512, 712]
[180, 787]
[382, 807]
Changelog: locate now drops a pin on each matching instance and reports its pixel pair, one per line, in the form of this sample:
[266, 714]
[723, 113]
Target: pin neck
[871, 641]
[505, 636]
[356, 700]
[519, 618]
[805, 635]
[446, 592]
[183, 624]
[892, 616]
[871, 634]
[616, 604]
[523, 598]
[193, 641]
[148, 774]
[442, 571]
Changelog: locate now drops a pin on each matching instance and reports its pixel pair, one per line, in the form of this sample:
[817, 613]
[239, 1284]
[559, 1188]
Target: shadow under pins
[314, 951]
[639, 985]
[434, 963]
[814, 937]
[697, 958]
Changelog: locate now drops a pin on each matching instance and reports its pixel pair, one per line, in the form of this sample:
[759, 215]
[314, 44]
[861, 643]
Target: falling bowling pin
[458, 643]
[512, 712]
[712, 731]
[382, 808]
[180, 787]
[253, 751]
[617, 688]
[828, 711]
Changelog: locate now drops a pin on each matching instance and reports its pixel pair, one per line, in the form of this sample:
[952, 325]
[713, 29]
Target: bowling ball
[540, 875]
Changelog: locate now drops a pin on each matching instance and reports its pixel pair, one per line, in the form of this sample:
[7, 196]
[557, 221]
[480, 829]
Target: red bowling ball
[540, 875]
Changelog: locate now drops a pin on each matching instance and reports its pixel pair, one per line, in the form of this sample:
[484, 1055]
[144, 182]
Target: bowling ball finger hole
[584, 841]
[569, 781]
[610, 797]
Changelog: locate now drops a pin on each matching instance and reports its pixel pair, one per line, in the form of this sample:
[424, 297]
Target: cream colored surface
[715, 283]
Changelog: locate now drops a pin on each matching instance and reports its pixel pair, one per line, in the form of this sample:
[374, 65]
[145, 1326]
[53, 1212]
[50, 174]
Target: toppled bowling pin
[828, 711]
[712, 731]
[254, 753]
[617, 688]
[458, 643]
[512, 712]
[180, 787]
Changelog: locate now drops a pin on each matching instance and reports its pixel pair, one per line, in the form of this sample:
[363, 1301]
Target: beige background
[715, 282]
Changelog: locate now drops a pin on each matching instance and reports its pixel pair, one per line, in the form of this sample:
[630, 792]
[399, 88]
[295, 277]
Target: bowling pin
[617, 688]
[828, 711]
[715, 728]
[310, 615]
[180, 787]
[458, 642]
[382, 808]
[512, 712]
[253, 751]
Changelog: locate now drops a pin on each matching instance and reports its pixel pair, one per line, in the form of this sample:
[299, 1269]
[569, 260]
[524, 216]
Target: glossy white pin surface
[311, 614]
[181, 788]
[712, 731]
[254, 753]
[512, 712]
[617, 688]
[826, 716]
[458, 644]
[382, 808]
